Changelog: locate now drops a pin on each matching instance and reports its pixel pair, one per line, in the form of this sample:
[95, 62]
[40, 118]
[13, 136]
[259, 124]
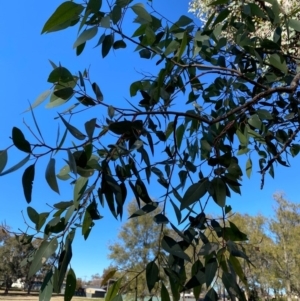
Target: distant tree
[79, 283]
[135, 247]
[285, 231]
[14, 254]
[95, 280]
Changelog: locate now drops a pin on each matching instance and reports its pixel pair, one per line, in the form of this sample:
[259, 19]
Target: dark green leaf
[33, 215]
[106, 45]
[50, 175]
[73, 131]
[119, 44]
[116, 14]
[3, 159]
[97, 92]
[16, 167]
[47, 287]
[249, 168]
[210, 271]
[64, 261]
[64, 13]
[194, 193]
[179, 135]
[94, 5]
[172, 247]
[152, 275]
[19, 140]
[27, 181]
[161, 219]
[164, 294]
[90, 127]
[211, 295]
[70, 285]
[145, 54]
[64, 93]
[219, 188]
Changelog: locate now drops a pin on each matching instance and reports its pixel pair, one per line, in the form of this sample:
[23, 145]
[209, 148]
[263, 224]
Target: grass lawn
[22, 296]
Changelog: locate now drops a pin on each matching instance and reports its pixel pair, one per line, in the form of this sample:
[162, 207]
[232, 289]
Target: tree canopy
[223, 100]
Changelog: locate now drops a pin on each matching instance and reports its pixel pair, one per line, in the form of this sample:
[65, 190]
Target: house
[95, 292]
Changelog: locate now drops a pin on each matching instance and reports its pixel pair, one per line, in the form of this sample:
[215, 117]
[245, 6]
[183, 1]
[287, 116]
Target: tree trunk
[30, 284]
[288, 290]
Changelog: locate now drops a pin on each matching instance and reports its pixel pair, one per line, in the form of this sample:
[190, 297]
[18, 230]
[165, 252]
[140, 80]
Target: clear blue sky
[24, 70]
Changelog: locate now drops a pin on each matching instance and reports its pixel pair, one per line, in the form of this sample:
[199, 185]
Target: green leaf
[64, 13]
[219, 188]
[210, 271]
[172, 247]
[19, 140]
[161, 219]
[106, 45]
[145, 54]
[79, 189]
[64, 260]
[182, 46]
[70, 285]
[231, 286]
[164, 293]
[87, 224]
[113, 290]
[64, 173]
[90, 127]
[72, 162]
[16, 167]
[238, 268]
[97, 92]
[73, 131]
[86, 35]
[278, 62]
[211, 295]
[3, 159]
[255, 122]
[184, 21]
[61, 75]
[194, 193]
[116, 14]
[152, 275]
[119, 44]
[50, 175]
[249, 168]
[179, 135]
[173, 46]
[33, 215]
[42, 97]
[47, 287]
[63, 205]
[139, 10]
[27, 181]
[65, 93]
[295, 24]
[45, 250]
[94, 5]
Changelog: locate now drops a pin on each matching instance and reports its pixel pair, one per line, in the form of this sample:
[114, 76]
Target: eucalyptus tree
[216, 105]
